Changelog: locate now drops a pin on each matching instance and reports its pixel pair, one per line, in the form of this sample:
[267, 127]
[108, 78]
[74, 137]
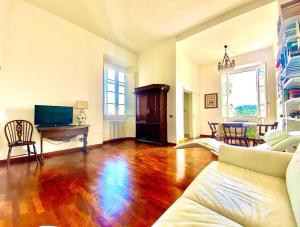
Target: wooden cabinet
[151, 114]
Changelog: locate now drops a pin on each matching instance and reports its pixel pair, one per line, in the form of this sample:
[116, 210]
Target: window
[115, 91]
[244, 92]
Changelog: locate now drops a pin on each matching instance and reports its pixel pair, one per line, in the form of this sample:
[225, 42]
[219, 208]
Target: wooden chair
[262, 129]
[213, 128]
[19, 133]
[235, 134]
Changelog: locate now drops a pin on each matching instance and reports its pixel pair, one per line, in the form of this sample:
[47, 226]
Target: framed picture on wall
[211, 100]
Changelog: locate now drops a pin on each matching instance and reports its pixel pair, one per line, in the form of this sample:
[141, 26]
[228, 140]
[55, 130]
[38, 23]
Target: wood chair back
[18, 132]
[213, 128]
[235, 134]
[263, 128]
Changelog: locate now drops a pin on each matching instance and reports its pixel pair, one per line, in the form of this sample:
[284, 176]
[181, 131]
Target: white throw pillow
[274, 136]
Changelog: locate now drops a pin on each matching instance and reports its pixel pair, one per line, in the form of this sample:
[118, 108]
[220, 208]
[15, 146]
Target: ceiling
[138, 24]
[246, 33]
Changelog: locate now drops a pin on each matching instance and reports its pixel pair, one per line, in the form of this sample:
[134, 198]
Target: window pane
[111, 74]
[242, 94]
[122, 89]
[115, 91]
[111, 97]
[110, 108]
[111, 87]
[121, 109]
[121, 99]
[122, 77]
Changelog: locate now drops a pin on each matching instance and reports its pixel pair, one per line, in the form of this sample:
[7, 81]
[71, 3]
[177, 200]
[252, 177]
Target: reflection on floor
[116, 185]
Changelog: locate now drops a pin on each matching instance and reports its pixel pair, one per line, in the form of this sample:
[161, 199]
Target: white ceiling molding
[222, 18]
[249, 32]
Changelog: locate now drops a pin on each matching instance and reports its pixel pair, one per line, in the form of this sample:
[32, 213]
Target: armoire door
[153, 107]
[151, 114]
[141, 108]
[141, 131]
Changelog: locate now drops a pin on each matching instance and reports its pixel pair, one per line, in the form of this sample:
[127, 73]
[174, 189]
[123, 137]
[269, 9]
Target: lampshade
[81, 105]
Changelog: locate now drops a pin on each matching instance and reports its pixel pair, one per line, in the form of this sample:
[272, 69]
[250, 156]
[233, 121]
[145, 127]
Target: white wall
[158, 65]
[47, 60]
[3, 26]
[210, 83]
[187, 78]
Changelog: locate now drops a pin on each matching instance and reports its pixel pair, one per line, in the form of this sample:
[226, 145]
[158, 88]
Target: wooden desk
[63, 133]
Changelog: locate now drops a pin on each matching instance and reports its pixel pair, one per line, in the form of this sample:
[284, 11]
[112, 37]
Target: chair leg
[254, 142]
[8, 156]
[247, 142]
[36, 157]
[28, 151]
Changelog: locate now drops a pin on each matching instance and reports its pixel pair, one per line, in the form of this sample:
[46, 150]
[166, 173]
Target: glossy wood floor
[122, 184]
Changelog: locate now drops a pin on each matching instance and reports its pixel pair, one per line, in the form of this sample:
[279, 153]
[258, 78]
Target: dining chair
[19, 133]
[235, 134]
[213, 128]
[262, 129]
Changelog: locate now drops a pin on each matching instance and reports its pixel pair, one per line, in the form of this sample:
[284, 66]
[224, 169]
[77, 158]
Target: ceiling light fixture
[226, 65]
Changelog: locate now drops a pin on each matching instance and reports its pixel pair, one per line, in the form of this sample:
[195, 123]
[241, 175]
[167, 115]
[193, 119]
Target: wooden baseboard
[119, 140]
[19, 159]
[25, 158]
[205, 136]
[167, 144]
[70, 150]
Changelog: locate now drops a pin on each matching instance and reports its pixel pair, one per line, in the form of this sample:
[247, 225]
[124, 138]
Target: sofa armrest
[272, 163]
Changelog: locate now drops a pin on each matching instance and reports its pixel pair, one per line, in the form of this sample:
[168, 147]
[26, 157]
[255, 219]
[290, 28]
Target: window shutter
[105, 90]
[224, 95]
[261, 84]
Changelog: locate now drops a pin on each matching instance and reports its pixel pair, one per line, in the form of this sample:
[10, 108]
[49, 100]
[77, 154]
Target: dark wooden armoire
[151, 114]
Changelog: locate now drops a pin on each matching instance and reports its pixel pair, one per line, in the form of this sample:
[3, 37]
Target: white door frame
[191, 111]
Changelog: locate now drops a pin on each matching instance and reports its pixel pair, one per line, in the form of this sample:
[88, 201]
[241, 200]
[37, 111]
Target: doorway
[187, 110]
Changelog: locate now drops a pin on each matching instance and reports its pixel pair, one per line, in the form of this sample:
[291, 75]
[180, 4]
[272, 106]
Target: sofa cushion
[190, 213]
[293, 183]
[274, 136]
[244, 196]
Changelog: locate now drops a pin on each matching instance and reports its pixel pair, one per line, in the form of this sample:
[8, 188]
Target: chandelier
[226, 65]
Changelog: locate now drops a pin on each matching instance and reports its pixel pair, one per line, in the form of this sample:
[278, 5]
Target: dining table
[251, 129]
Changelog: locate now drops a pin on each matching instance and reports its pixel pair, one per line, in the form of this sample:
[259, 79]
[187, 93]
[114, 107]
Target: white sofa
[245, 187]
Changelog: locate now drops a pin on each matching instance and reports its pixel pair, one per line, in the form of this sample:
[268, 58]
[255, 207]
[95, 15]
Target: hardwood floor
[121, 184]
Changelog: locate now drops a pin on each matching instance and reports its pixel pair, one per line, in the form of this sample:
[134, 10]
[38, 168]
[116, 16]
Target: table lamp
[81, 117]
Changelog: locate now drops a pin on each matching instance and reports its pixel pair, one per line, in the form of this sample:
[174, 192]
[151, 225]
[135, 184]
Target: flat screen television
[51, 116]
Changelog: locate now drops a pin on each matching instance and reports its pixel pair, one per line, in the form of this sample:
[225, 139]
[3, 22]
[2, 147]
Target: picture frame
[211, 100]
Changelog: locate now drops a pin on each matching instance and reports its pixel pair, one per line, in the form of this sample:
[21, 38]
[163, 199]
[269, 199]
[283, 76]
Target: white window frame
[246, 68]
[105, 96]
